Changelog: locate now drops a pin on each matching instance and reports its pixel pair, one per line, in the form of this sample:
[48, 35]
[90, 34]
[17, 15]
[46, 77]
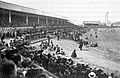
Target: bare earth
[108, 40]
[91, 55]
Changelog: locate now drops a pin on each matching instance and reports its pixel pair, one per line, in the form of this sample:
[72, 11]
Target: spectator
[42, 76]
[81, 44]
[66, 73]
[92, 75]
[33, 73]
[74, 55]
[9, 70]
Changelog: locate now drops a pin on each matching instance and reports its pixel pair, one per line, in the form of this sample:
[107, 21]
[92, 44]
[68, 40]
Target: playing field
[108, 40]
[90, 55]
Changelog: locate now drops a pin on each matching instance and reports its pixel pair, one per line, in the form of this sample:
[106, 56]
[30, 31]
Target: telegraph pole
[106, 18]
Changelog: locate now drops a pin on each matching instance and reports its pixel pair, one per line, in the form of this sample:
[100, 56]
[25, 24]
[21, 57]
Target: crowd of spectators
[20, 56]
[4, 20]
[32, 33]
[72, 34]
[29, 33]
[18, 21]
[50, 57]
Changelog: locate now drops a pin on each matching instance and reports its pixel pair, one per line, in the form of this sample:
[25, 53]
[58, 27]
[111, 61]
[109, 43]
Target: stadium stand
[30, 62]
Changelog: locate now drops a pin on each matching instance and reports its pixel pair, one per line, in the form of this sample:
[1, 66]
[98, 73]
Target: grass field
[108, 40]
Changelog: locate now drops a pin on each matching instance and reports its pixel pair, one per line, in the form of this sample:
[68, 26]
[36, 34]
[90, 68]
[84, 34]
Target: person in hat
[81, 44]
[48, 38]
[58, 36]
[2, 37]
[74, 55]
[92, 75]
[9, 70]
[43, 75]
[26, 62]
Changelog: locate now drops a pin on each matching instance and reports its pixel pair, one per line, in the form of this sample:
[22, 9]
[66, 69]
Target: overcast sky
[76, 10]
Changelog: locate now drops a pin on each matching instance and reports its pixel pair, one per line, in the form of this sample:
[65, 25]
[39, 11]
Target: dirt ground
[93, 56]
[108, 40]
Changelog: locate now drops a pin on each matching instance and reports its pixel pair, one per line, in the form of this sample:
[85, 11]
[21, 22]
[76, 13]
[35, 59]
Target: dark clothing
[58, 37]
[81, 45]
[48, 37]
[74, 55]
[2, 37]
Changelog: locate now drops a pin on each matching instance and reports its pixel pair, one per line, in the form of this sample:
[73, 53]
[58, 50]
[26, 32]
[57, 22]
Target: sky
[76, 11]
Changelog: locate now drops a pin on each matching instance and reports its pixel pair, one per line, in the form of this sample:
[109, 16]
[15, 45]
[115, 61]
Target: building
[92, 24]
[115, 24]
[12, 15]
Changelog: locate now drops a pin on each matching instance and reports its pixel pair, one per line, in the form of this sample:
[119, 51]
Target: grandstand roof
[10, 6]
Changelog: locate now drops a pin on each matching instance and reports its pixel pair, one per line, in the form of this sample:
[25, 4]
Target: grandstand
[12, 15]
[16, 20]
[42, 44]
[20, 20]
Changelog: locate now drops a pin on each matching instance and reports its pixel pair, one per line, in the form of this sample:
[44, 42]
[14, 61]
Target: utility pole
[106, 18]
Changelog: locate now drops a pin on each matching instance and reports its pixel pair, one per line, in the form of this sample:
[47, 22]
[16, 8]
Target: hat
[26, 62]
[92, 75]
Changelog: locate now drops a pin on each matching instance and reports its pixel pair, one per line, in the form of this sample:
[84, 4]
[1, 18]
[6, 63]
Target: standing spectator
[48, 37]
[11, 43]
[2, 37]
[81, 44]
[58, 36]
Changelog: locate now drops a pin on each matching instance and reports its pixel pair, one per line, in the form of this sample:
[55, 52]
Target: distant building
[115, 24]
[92, 24]
[108, 23]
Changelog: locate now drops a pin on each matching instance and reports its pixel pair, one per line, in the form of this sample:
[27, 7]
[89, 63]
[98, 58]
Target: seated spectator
[94, 45]
[9, 70]
[96, 36]
[66, 73]
[0, 63]
[74, 55]
[117, 76]
[42, 76]
[62, 52]
[17, 59]
[10, 53]
[58, 50]
[33, 73]
[11, 43]
[92, 75]
[26, 62]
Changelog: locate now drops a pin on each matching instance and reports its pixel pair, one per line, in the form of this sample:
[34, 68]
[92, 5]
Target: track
[92, 56]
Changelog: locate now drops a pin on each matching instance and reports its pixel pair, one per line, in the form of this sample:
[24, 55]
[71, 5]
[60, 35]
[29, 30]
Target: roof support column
[46, 21]
[38, 20]
[27, 19]
[57, 22]
[9, 16]
[52, 21]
